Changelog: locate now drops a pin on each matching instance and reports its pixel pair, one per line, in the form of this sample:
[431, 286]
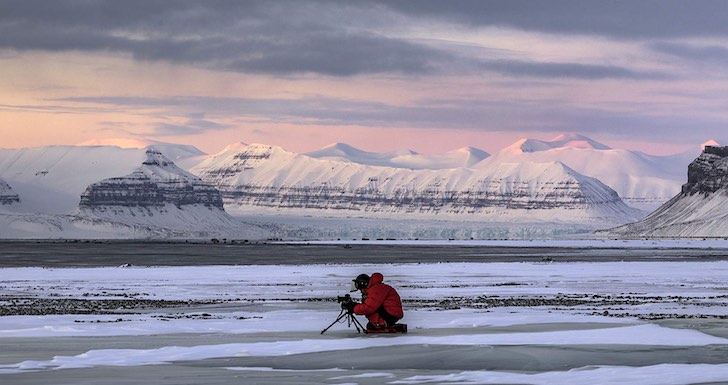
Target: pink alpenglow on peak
[710, 143]
[561, 141]
[462, 157]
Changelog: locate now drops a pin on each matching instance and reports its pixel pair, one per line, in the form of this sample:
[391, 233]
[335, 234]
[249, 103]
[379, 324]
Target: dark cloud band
[283, 38]
[642, 19]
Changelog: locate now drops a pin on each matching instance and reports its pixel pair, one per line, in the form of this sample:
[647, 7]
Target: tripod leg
[354, 321]
[341, 315]
[358, 325]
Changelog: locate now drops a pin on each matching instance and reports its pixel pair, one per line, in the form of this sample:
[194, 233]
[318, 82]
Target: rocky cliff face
[709, 172]
[157, 183]
[7, 195]
[268, 177]
[699, 210]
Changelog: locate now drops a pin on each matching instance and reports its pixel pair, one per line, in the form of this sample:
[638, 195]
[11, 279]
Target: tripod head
[344, 301]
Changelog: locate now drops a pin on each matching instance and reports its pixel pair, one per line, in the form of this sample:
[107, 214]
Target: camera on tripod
[346, 315]
[344, 300]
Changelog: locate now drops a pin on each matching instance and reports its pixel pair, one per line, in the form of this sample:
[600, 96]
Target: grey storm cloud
[615, 19]
[252, 37]
[296, 37]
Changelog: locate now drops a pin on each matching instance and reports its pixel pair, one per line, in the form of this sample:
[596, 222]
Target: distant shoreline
[112, 253]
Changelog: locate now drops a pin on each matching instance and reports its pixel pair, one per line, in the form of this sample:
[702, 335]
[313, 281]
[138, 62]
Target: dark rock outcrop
[709, 172]
[7, 195]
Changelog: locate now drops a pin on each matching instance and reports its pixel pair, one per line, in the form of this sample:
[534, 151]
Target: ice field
[470, 323]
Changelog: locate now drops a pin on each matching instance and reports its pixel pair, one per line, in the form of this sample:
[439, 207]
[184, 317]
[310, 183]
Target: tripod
[349, 318]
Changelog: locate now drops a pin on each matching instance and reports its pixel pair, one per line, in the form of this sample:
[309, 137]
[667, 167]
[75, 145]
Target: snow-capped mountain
[256, 177]
[564, 140]
[161, 194]
[51, 179]
[699, 210]
[462, 157]
[156, 183]
[8, 197]
[643, 181]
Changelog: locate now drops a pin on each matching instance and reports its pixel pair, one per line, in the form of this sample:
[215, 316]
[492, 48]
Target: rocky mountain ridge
[699, 210]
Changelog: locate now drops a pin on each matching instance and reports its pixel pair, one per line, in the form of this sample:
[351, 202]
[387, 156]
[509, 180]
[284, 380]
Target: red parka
[379, 294]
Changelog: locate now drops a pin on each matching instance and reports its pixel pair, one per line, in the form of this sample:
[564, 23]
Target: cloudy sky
[431, 76]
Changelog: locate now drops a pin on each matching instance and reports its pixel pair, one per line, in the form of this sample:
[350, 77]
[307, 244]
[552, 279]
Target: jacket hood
[375, 279]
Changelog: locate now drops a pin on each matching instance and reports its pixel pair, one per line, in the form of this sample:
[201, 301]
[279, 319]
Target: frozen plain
[644, 321]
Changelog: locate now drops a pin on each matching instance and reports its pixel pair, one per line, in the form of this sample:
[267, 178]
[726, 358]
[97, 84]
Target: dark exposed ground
[12, 305]
[612, 306]
[159, 253]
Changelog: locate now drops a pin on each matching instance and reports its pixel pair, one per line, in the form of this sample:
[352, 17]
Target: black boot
[400, 328]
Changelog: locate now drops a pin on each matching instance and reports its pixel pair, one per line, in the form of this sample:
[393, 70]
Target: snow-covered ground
[483, 323]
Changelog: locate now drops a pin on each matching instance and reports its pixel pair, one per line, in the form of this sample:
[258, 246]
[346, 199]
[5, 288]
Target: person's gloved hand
[349, 306]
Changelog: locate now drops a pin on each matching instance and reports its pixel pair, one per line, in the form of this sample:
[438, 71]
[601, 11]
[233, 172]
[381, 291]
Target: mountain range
[570, 179]
[262, 178]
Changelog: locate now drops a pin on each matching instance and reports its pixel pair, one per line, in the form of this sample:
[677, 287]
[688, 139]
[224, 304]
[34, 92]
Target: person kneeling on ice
[380, 304]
